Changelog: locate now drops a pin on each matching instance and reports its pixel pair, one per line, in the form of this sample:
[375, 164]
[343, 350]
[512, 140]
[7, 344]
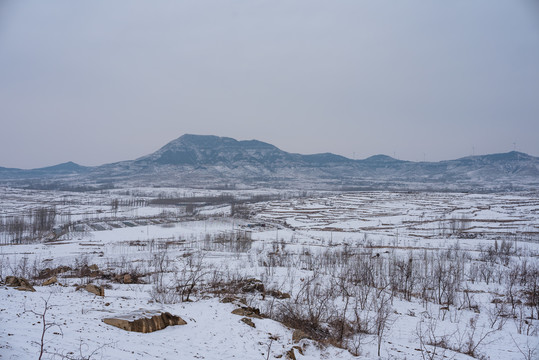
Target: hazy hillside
[212, 161]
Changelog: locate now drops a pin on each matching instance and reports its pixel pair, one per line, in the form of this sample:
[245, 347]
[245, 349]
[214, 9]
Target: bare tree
[46, 326]
[382, 310]
[190, 274]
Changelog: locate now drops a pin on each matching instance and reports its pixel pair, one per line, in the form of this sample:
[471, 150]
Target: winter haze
[107, 81]
[299, 179]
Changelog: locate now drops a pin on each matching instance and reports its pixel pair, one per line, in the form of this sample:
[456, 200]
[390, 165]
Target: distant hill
[216, 162]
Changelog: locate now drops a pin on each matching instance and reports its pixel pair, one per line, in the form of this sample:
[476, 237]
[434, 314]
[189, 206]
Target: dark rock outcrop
[248, 322]
[19, 283]
[50, 281]
[145, 321]
[94, 289]
[248, 311]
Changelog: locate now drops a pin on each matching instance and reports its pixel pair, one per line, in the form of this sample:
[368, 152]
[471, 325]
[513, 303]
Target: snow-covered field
[405, 275]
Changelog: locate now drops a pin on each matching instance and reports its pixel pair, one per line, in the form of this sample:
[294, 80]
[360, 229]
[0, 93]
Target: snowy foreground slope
[212, 332]
[406, 275]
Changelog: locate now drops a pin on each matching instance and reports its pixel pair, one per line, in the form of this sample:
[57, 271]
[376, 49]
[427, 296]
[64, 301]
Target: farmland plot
[394, 275]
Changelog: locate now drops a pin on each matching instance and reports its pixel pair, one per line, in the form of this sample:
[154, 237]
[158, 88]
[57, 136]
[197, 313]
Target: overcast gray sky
[102, 81]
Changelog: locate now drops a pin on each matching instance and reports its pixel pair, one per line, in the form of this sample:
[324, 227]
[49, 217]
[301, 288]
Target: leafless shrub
[453, 226]
[471, 338]
[160, 292]
[189, 275]
[467, 300]
[382, 309]
[445, 279]
[46, 325]
[501, 253]
[531, 289]
[497, 315]
[522, 323]
[486, 272]
[529, 351]
[432, 345]
[310, 310]
[404, 276]
[84, 352]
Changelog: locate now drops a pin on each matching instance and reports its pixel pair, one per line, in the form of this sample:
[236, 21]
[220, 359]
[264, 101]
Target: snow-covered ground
[339, 257]
[212, 331]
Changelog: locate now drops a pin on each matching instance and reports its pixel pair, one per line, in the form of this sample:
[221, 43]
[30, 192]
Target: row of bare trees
[35, 223]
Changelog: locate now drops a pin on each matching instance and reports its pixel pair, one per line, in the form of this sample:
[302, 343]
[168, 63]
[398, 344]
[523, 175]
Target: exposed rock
[290, 354]
[252, 285]
[47, 273]
[248, 311]
[145, 321]
[233, 299]
[299, 335]
[94, 289]
[52, 280]
[19, 283]
[90, 271]
[249, 322]
[26, 288]
[16, 281]
[124, 278]
[277, 294]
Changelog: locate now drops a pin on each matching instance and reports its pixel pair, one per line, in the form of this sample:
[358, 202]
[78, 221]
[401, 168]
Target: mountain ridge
[207, 160]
